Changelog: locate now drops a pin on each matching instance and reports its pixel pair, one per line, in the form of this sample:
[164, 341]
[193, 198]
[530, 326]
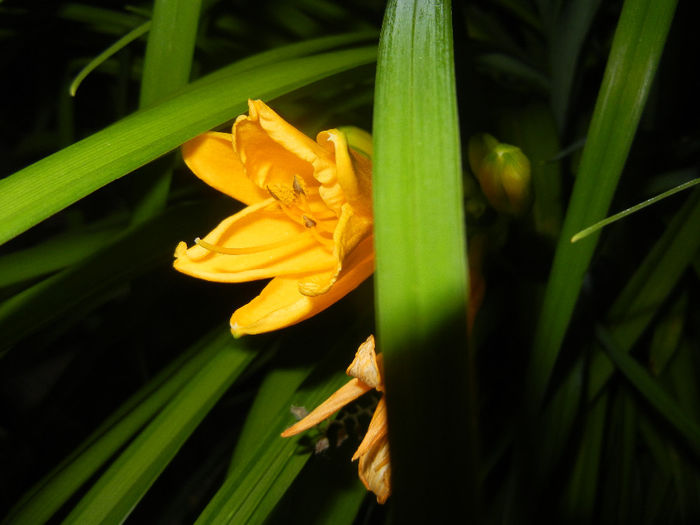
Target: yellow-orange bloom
[308, 224]
[374, 468]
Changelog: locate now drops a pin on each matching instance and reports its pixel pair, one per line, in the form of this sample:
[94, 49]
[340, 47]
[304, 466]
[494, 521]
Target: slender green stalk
[124, 41]
[632, 209]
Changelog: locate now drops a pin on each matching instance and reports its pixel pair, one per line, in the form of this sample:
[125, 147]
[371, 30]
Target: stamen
[272, 194]
[297, 186]
[328, 243]
[246, 250]
[311, 227]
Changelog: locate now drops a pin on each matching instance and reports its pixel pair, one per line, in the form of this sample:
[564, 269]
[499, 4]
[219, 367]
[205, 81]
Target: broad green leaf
[421, 274]
[44, 499]
[120, 488]
[47, 186]
[639, 40]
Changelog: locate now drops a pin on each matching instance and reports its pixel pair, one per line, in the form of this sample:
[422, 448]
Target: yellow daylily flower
[374, 469]
[308, 223]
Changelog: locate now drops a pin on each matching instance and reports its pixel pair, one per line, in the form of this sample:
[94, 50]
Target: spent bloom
[307, 224]
[367, 371]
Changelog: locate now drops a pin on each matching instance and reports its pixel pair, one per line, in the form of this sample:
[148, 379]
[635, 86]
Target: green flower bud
[503, 171]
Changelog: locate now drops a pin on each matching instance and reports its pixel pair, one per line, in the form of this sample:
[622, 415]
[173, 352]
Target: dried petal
[375, 471]
[367, 365]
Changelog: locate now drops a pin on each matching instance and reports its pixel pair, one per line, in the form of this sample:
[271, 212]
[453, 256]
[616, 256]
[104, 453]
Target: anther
[297, 186]
[308, 221]
[272, 194]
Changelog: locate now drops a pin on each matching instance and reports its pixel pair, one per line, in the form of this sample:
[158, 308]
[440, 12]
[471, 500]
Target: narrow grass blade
[269, 469]
[615, 494]
[38, 505]
[682, 379]
[120, 488]
[170, 48]
[131, 253]
[421, 275]
[110, 21]
[166, 69]
[54, 254]
[566, 42]
[667, 335]
[634, 57]
[579, 499]
[273, 397]
[47, 186]
[124, 41]
[632, 209]
[652, 392]
[650, 285]
[334, 499]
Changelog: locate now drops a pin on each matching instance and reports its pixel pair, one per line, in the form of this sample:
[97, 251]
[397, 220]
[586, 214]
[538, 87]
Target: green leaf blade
[44, 188]
[421, 275]
[634, 57]
[119, 489]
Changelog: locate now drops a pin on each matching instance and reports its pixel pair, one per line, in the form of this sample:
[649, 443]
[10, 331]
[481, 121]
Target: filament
[245, 250]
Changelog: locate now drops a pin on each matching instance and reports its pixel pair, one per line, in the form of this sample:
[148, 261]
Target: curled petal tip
[180, 249]
[237, 331]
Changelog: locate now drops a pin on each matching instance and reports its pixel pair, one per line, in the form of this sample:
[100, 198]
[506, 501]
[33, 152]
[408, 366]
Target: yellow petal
[210, 156]
[351, 181]
[291, 138]
[280, 304]
[351, 229]
[376, 431]
[375, 471]
[274, 152]
[341, 397]
[367, 365]
[293, 249]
